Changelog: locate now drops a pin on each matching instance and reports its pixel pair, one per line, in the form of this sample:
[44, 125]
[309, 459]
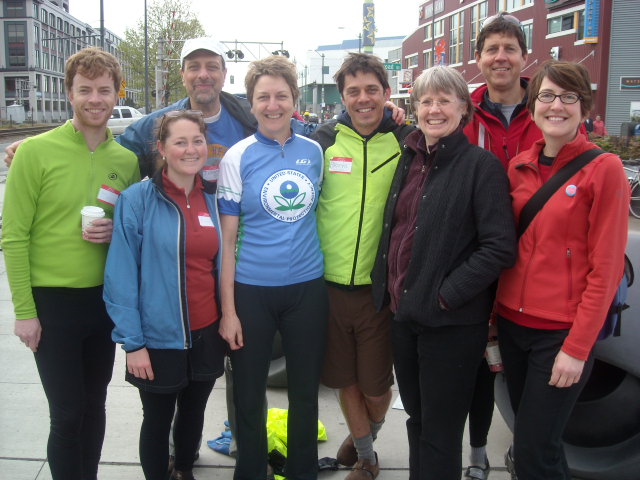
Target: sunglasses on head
[180, 114]
[504, 15]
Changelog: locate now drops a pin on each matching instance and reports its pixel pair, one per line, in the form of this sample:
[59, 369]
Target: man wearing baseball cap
[227, 117]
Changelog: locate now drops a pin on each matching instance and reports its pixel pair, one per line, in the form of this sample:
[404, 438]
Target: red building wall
[594, 56]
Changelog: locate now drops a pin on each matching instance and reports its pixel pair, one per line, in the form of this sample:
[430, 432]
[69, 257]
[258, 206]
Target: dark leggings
[75, 361]
[541, 410]
[158, 409]
[481, 411]
[299, 312]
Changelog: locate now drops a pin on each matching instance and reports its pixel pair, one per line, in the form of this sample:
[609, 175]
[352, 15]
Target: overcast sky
[301, 24]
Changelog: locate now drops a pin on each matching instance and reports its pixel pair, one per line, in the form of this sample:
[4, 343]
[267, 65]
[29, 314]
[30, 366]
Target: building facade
[37, 38]
[329, 58]
[573, 30]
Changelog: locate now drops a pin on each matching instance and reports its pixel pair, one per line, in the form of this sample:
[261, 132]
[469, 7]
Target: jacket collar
[567, 153]
[207, 187]
[386, 124]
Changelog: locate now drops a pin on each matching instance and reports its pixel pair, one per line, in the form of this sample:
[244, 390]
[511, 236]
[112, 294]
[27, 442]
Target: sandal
[476, 472]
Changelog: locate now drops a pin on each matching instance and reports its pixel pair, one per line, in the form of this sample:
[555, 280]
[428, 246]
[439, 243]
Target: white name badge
[340, 165]
[211, 173]
[108, 195]
[205, 219]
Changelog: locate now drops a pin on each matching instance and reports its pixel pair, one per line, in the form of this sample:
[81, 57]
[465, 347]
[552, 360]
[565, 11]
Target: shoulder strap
[537, 201]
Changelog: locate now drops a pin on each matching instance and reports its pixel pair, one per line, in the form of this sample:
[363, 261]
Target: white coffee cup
[89, 214]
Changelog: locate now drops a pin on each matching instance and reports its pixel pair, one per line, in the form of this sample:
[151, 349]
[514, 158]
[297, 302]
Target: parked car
[122, 117]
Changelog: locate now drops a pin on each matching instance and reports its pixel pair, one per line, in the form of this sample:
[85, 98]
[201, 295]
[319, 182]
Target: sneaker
[364, 470]
[476, 472]
[510, 464]
[347, 454]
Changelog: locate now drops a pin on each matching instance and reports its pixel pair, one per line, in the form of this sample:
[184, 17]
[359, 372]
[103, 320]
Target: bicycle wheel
[634, 206]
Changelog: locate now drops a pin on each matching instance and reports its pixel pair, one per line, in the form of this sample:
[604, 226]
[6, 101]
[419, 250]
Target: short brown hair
[275, 66]
[91, 63]
[361, 62]
[504, 26]
[570, 76]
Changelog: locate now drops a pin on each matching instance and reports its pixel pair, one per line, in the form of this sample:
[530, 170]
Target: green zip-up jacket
[51, 178]
[357, 177]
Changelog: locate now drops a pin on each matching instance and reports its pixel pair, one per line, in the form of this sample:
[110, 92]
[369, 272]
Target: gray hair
[440, 79]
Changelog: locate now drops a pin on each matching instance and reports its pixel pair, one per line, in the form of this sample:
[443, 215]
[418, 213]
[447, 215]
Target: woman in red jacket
[553, 302]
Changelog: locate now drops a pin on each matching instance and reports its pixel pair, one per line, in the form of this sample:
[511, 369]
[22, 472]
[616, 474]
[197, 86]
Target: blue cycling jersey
[274, 190]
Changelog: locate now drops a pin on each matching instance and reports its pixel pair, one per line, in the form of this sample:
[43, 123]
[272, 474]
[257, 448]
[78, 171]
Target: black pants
[158, 409]
[481, 411]
[541, 410]
[299, 312]
[75, 361]
[436, 370]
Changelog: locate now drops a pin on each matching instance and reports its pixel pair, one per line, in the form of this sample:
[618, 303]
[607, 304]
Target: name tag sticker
[205, 219]
[108, 195]
[340, 165]
[211, 173]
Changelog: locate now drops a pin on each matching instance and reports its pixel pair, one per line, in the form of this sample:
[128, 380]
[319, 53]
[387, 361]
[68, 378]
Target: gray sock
[478, 456]
[364, 447]
[375, 428]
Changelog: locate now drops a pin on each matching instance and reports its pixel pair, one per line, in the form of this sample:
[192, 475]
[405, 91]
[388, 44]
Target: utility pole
[147, 106]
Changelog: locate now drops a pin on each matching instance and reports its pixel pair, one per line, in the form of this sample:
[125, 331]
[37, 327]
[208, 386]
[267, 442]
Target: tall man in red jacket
[502, 124]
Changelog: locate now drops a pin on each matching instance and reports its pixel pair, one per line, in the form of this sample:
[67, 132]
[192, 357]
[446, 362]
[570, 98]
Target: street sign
[392, 66]
[122, 92]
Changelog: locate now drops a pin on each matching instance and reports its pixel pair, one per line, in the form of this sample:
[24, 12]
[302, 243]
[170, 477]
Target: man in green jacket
[361, 151]
[55, 268]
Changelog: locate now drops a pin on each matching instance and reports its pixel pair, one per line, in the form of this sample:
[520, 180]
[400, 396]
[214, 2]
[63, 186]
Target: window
[54, 85]
[46, 84]
[52, 20]
[508, 5]
[66, 28]
[428, 59]
[61, 65]
[59, 24]
[456, 37]
[438, 29]
[580, 30]
[561, 23]
[412, 61]
[427, 31]
[478, 14]
[43, 15]
[36, 11]
[126, 113]
[527, 29]
[36, 34]
[45, 60]
[15, 8]
[15, 36]
[38, 60]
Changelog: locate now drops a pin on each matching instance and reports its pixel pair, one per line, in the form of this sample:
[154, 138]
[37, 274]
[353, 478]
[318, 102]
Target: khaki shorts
[358, 343]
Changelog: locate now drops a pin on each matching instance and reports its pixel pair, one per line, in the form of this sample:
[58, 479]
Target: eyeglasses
[568, 98]
[428, 103]
[503, 15]
[196, 115]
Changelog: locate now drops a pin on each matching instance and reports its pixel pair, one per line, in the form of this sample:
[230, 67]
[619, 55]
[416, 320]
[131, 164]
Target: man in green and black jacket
[361, 151]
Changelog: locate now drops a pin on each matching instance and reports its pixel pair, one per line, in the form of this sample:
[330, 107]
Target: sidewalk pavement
[24, 419]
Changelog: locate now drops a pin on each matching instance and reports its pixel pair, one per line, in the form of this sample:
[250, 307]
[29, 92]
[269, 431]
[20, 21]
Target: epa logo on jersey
[288, 195]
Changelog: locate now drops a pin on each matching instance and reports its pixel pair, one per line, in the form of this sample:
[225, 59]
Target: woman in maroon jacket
[553, 302]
